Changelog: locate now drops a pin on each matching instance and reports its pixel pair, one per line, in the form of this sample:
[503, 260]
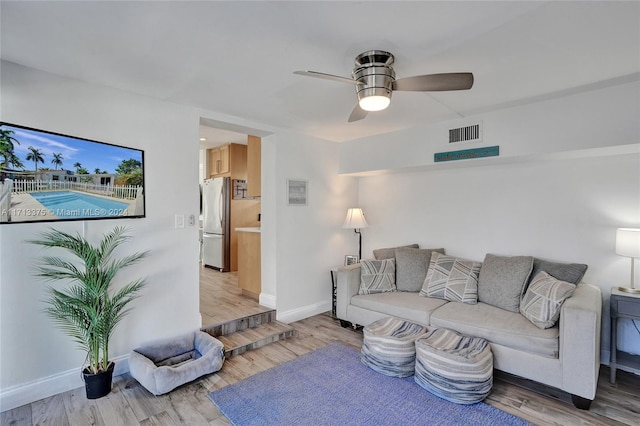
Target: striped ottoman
[389, 346]
[454, 367]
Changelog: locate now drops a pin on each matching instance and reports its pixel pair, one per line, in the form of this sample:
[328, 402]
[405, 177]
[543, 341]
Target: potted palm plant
[89, 308]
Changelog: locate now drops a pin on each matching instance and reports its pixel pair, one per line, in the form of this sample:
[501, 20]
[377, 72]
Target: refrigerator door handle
[220, 207]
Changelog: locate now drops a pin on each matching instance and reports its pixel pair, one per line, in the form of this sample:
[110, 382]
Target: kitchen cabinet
[219, 161]
[218, 165]
[249, 268]
[254, 172]
[224, 159]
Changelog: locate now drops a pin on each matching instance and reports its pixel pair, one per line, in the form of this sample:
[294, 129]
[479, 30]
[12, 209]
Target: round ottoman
[454, 367]
[389, 346]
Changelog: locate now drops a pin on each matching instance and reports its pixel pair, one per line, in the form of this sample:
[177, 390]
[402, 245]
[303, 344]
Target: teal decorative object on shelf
[467, 154]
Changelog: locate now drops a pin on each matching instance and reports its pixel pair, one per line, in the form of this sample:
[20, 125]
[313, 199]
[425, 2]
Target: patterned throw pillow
[452, 279]
[377, 276]
[544, 298]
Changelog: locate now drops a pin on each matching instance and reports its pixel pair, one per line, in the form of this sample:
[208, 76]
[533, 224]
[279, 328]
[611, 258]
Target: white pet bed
[166, 364]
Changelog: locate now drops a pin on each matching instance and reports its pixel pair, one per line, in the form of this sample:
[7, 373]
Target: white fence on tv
[5, 199]
[25, 186]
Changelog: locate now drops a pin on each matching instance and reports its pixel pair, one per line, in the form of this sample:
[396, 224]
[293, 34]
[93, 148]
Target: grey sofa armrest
[580, 341]
[347, 286]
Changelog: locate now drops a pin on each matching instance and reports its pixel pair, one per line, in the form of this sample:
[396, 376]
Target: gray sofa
[565, 356]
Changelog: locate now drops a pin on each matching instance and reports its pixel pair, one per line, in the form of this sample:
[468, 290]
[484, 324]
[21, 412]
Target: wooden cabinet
[224, 160]
[254, 172]
[219, 161]
[249, 268]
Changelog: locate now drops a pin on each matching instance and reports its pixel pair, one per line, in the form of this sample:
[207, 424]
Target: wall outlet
[192, 220]
[179, 221]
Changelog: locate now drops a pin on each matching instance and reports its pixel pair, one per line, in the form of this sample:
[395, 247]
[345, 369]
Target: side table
[334, 283]
[623, 305]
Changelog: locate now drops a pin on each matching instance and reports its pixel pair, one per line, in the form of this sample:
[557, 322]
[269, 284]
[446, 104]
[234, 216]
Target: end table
[334, 287]
[623, 305]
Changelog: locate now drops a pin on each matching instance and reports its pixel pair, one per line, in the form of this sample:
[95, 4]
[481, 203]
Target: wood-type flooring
[130, 404]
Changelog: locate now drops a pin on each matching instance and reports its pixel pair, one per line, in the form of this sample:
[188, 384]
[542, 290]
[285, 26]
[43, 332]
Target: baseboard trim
[303, 312]
[16, 396]
[267, 300]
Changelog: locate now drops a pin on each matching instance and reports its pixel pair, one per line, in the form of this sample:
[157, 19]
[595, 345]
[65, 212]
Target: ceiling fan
[375, 80]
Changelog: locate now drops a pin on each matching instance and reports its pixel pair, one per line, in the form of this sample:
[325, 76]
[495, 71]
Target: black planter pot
[98, 385]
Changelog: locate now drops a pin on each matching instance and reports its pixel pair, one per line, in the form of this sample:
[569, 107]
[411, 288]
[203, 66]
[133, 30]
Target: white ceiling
[237, 58]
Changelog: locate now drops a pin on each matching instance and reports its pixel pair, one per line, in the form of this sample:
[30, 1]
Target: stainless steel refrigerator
[216, 246]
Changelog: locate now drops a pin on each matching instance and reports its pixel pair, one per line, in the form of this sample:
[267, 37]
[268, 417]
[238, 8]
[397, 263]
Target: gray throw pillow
[451, 278]
[544, 298]
[377, 276]
[411, 267]
[569, 272]
[502, 280]
[389, 253]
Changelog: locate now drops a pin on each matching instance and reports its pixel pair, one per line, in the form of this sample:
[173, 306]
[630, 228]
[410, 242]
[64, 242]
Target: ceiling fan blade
[357, 114]
[326, 76]
[435, 82]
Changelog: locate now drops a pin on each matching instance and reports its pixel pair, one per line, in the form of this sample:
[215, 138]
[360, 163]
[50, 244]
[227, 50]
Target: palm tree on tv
[36, 156]
[57, 160]
[77, 166]
[12, 159]
[7, 146]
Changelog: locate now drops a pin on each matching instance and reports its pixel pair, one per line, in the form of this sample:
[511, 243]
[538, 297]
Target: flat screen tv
[47, 177]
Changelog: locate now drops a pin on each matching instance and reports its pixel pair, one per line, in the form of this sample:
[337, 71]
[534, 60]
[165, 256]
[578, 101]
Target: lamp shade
[628, 242]
[355, 219]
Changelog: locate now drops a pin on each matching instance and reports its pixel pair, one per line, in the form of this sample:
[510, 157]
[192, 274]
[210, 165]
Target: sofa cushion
[401, 304]
[502, 280]
[411, 267]
[569, 272]
[452, 278]
[502, 327]
[377, 276]
[389, 253]
[544, 298]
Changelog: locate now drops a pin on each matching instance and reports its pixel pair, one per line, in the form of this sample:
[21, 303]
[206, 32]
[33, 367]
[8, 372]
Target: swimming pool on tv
[70, 204]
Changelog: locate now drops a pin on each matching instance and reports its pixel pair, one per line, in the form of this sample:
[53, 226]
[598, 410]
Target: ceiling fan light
[374, 103]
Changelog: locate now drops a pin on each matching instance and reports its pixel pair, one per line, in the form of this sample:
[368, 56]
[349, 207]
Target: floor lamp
[628, 244]
[355, 220]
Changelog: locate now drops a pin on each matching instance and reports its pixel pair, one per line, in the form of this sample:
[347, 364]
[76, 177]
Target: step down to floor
[253, 338]
[251, 332]
[239, 324]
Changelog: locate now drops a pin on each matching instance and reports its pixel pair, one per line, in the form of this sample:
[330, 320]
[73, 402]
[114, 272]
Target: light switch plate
[179, 221]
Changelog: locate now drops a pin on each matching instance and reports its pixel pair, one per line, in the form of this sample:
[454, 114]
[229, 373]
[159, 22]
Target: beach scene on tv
[46, 176]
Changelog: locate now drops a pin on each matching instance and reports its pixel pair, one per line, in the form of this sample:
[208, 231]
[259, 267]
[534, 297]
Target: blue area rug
[330, 386]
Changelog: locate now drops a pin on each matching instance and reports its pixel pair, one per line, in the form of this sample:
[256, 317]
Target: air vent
[472, 133]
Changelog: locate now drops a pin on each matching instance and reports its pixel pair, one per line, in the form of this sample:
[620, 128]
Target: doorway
[223, 156]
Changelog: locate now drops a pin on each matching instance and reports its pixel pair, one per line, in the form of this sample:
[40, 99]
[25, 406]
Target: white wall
[308, 240]
[568, 175]
[36, 358]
